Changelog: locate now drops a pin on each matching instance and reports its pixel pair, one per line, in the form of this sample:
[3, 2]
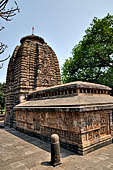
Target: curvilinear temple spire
[33, 65]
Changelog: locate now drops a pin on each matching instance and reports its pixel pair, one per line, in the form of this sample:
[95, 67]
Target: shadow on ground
[46, 164]
[45, 145]
[1, 124]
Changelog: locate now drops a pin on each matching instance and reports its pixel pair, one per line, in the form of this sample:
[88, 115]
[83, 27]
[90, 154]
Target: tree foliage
[92, 58]
[2, 96]
[7, 15]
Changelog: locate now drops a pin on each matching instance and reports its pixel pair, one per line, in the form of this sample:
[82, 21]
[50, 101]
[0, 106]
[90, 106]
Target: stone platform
[19, 151]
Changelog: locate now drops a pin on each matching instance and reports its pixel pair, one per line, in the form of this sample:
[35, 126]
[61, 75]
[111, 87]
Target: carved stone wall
[33, 65]
[85, 131]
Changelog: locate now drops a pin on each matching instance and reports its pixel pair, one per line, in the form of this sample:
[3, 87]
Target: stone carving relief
[32, 65]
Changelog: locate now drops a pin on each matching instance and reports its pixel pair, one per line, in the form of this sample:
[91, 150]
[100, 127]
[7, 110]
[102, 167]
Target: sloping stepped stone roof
[83, 102]
[77, 84]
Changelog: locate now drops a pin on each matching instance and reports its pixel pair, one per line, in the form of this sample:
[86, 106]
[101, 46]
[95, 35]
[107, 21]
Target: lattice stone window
[66, 92]
[74, 90]
[95, 91]
[88, 90]
[80, 90]
[99, 91]
[55, 93]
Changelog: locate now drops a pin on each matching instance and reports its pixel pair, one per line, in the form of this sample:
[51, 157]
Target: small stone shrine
[79, 112]
[33, 65]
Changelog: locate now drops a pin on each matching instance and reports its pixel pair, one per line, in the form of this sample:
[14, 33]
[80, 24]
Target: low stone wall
[83, 132]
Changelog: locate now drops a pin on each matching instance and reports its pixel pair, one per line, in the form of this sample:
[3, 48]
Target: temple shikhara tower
[33, 65]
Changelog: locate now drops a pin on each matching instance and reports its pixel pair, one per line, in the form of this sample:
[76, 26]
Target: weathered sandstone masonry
[79, 112]
[36, 102]
[33, 65]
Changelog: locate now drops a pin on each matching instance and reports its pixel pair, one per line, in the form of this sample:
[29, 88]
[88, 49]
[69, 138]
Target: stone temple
[33, 65]
[38, 104]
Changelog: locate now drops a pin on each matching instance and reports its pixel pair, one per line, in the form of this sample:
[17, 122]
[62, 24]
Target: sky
[61, 23]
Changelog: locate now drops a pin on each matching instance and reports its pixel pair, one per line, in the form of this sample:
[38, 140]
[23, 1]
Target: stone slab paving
[19, 151]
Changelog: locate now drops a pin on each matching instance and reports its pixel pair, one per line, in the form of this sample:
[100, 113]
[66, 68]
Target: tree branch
[9, 13]
[4, 59]
[3, 4]
[1, 28]
[1, 66]
[2, 47]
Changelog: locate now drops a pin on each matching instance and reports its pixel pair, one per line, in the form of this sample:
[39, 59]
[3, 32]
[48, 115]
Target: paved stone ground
[19, 151]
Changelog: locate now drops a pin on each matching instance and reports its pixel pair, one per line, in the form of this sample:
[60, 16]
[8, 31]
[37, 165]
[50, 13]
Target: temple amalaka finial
[32, 30]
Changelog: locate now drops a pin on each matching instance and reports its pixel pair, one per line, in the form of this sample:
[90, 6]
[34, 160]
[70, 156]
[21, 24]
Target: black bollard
[55, 150]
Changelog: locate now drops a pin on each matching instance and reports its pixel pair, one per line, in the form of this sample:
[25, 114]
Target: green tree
[2, 96]
[92, 58]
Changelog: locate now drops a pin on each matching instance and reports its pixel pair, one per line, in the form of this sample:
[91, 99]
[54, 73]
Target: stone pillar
[55, 150]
